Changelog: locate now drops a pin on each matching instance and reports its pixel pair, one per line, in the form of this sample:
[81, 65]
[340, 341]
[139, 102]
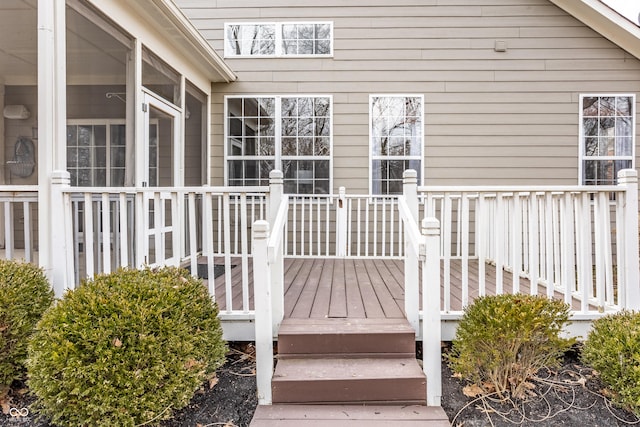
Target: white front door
[162, 143]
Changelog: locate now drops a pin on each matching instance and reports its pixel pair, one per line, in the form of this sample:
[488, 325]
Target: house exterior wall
[490, 117]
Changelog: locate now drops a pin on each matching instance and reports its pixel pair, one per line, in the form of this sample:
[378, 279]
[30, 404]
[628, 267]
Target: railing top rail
[522, 189]
[258, 190]
[18, 188]
[277, 231]
[412, 232]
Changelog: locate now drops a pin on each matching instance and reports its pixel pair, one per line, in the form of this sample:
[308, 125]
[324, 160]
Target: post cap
[276, 174]
[430, 226]
[627, 175]
[260, 229]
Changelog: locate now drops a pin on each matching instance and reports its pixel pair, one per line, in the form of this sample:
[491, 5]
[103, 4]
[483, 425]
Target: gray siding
[490, 117]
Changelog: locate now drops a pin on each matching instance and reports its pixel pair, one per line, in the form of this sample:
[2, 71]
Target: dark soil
[569, 396]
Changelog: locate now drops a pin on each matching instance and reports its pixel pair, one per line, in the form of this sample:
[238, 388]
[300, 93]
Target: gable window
[607, 137]
[290, 133]
[396, 140]
[274, 39]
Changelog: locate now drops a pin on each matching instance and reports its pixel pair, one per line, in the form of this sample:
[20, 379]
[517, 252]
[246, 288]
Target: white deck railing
[343, 225]
[133, 227]
[18, 216]
[576, 243]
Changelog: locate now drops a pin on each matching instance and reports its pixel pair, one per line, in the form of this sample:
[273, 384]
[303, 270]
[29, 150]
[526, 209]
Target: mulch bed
[570, 396]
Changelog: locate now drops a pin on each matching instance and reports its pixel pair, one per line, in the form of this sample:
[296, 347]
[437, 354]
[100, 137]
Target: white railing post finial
[276, 184]
[431, 328]
[410, 191]
[341, 223]
[629, 179]
[263, 311]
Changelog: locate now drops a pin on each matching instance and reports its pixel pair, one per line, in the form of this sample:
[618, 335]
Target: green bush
[25, 294]
[613, 349]
[125, 349]
[502, 341]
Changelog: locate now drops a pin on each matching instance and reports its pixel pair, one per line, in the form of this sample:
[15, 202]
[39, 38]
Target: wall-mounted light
[19, 112]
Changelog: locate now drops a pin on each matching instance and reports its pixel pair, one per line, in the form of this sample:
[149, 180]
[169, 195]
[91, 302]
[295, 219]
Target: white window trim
[372, 157]
[278, 40]
[581, 151]
[277, 158]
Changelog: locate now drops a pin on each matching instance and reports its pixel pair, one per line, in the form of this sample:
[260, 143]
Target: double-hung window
[290, 133]
[607, 137]
[396, 134]
[275, 39]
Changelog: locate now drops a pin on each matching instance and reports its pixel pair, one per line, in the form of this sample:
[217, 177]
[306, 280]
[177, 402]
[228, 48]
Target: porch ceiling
[18, 41]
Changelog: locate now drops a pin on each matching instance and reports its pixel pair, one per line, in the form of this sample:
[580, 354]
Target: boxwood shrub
[613, 349]
[125, 349]
[25, 293]
[503, 340]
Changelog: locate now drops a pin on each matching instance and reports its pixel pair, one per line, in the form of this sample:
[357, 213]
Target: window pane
[248, 39]
[100, 157]
[624, 105]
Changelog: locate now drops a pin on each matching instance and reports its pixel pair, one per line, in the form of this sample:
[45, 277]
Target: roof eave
[605, 21]
[197, 45]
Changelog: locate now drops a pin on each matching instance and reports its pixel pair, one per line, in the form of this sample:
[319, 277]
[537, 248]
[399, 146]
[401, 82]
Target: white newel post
[431, 328]
[277, 268]
[263, 310]
[341, 223]
[411, 282]
[629, 179]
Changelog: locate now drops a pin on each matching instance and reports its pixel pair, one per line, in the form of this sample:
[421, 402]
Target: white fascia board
[606, 21]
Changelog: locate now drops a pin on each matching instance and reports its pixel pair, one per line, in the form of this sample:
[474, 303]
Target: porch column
[52, 116]
[629, 179]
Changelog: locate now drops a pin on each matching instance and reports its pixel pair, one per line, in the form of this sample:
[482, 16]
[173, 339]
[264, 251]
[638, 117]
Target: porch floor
[320, 288]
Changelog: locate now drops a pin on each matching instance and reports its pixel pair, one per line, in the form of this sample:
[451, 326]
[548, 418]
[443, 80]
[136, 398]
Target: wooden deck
[356, 288]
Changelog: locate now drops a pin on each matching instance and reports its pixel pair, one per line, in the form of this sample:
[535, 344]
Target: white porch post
[629, 179]
[411, 285]
[263, 310]
[52, 116]
[341, 223]
[431, 328]
[277, 268]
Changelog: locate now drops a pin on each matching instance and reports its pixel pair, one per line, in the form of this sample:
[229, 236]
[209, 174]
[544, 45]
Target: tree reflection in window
[396, 140]
[607, 137]
[292, 134]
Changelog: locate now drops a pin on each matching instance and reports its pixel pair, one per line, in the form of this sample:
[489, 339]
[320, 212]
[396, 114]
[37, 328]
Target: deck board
[320, 288]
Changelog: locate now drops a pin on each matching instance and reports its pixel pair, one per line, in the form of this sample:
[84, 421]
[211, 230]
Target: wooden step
[349, 416]
[348, 337]
[349, 380]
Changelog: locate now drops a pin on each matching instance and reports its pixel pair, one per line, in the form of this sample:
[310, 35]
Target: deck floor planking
[360, 287]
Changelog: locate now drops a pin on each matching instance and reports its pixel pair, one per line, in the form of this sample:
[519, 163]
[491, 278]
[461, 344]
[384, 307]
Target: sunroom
[108, 94]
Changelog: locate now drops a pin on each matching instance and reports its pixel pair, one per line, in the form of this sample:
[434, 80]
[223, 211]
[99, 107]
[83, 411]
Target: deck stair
[355, 372]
